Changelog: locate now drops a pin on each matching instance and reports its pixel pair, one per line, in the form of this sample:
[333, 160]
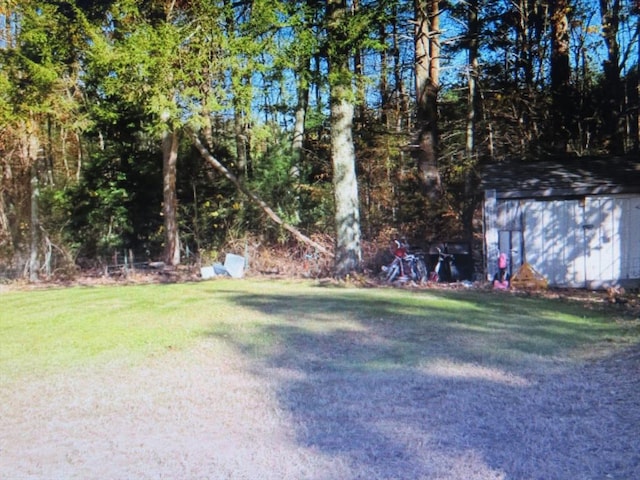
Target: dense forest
[169, 130]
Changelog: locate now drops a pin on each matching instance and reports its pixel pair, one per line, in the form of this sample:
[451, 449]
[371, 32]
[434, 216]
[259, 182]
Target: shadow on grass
[372, 326]
[443, 385]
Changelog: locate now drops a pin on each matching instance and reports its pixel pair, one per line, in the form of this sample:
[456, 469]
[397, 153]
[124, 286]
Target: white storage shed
[576, 222]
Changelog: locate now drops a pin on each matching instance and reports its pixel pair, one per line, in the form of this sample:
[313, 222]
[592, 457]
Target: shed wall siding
[613, 240]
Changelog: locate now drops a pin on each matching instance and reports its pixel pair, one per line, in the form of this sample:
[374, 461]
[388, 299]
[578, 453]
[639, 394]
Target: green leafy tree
[138, 57]
[39, 108]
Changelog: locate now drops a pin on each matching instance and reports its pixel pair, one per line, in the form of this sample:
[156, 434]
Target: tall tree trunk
[427, 73]
[403, 116]
[240, 84]
[30, 148]
[170, 198]
[473, 47]
[302, 84]
[303, 77]
[561, 104]
[297, 143]
[345, 184]
[523, 64]
[348, 253]
[5, 234]
[401, 111]
[610, 14]
[358, 69]
[529, 28]
[383, 86]
[241, 130]
[33, 267]
[472, 100]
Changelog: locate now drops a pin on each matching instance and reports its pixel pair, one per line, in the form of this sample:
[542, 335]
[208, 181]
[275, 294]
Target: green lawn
[55, 329]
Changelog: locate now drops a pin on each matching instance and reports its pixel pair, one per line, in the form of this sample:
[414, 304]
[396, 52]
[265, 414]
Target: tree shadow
[443, 386]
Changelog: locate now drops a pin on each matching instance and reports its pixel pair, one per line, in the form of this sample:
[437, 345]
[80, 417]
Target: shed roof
[563, 178]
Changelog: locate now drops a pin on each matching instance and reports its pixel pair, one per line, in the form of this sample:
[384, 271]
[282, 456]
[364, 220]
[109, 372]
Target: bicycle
[406, 265]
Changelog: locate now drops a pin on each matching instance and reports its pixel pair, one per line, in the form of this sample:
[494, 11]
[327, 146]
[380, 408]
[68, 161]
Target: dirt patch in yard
[215, 411]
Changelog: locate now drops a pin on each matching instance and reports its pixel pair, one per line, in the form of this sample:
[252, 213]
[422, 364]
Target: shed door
[612, 231]
[510, 242]
[554, 240]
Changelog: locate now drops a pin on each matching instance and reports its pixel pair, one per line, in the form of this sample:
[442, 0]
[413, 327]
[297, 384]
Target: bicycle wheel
[393, 272]
[422, 271]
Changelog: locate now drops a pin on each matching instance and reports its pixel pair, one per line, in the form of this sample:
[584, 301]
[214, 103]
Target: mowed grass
[56, 329]
[60, 328]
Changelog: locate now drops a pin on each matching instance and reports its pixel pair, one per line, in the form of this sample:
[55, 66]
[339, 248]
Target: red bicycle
[406, 265]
